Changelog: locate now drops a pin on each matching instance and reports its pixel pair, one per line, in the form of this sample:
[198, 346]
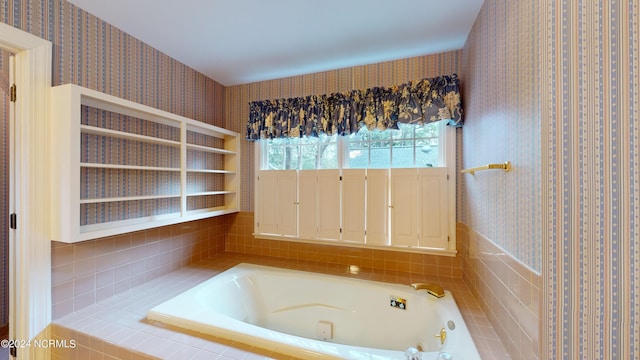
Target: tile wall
[118, 329]
[393, 263]
[87, 272]
[508, 292]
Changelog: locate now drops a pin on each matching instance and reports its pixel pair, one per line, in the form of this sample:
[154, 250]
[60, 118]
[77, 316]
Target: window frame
[448, 143]
[441, 154]
[343, 151]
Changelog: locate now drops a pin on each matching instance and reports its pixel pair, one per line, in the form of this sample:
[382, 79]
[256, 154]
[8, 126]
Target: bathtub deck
[117, 328]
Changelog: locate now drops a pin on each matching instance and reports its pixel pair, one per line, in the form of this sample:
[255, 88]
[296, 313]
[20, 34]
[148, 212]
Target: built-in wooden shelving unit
[121, 166]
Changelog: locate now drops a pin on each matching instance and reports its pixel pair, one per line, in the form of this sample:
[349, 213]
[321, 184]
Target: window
[409, 146]
[300, 153]
[392, 188]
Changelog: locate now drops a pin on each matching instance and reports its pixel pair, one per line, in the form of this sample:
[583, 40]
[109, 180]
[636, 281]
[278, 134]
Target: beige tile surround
[87, 272]
[90, 271]
[94, 280]
[116, 328]
[240, 239]
[508, 292]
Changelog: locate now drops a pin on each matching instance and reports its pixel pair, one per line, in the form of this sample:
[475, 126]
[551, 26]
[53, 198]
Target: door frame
[29, 244]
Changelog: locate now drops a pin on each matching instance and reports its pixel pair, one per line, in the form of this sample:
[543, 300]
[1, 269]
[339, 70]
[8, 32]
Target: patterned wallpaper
[553, 85]
[90, 52]
[590, 87]
[4, 187]
[502, 123]
[384, 74]
[499, 79]
[549, 85]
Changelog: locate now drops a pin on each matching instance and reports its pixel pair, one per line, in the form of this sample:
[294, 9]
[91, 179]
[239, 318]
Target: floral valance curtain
[417, 102]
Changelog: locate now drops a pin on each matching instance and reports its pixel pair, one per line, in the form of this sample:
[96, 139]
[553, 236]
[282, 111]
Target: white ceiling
[243, 41]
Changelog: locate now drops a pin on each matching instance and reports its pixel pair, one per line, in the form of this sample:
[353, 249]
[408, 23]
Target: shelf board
[152, 168]
[113, 104]
[206, 130]
[211, 171]
[210, 149]
[214, 211]
[127, 198]
[92, 130]
[126, 167]
[204, 193]
[137, 223]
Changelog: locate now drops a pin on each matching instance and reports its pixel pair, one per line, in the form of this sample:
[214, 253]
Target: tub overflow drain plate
[451, 324]
[325, 330]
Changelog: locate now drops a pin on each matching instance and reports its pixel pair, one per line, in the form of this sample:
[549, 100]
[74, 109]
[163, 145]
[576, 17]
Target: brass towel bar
[506, 166]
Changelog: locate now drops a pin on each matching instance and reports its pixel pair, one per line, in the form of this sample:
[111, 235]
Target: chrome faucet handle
[412, 354]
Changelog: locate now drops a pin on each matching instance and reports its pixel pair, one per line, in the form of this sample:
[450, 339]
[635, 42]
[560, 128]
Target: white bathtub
[316, 316]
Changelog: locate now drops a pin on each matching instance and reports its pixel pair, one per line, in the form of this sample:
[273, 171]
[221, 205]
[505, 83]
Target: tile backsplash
[240, 239]
[86, 272]
[508, 292]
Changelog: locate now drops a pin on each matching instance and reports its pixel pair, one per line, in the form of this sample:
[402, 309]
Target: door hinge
[13, 352]
[448, 239]
[341, 178]
[13, 93]
[13, 221]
